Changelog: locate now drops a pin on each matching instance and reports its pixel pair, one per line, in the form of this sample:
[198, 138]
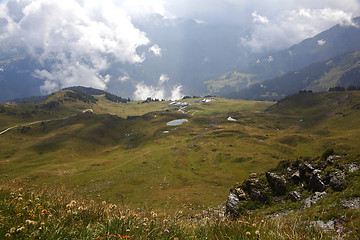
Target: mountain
[339, 71]
[189, 53]
[98, 151]
[333, 42]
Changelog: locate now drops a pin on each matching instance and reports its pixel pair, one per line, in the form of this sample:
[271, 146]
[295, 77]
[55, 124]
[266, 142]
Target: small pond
[176, 122]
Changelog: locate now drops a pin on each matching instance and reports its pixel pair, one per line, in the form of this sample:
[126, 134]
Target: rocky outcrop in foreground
[302, 181]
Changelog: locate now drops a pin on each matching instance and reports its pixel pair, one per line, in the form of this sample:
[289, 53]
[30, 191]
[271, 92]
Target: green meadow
[126, 154]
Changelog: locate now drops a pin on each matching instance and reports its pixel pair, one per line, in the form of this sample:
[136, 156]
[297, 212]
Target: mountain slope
[339, 71]
[336, 41]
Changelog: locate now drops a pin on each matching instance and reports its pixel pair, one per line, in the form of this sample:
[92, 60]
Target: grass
[133, 163]
[57, 214]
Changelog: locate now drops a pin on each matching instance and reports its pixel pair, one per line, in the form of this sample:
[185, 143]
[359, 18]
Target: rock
[240, 193]
[305, 171]
[295, 177]
[256, 195]
[353, 167]
[330, 160]
[337, 181]
[352, 204]
[316, 183]
[312, 200]
[232, 205]
[330, 225]
[295, 196]
[235, 196]
[278, 184]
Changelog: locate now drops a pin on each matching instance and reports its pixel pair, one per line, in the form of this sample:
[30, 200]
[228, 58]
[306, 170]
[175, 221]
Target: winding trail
[32, 123]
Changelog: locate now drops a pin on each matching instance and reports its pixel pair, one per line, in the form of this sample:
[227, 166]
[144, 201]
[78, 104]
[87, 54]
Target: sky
[77, 40]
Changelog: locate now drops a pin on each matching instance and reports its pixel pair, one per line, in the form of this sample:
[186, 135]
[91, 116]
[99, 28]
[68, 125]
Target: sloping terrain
[339, 71]
[336, 41]
[144, 161]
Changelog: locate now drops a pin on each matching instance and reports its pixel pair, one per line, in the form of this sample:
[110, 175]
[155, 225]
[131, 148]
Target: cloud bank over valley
[112, 45]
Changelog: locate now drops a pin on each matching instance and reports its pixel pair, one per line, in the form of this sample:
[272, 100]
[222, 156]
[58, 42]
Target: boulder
[232, 204]
[277, 183]
[316, 182]
[305, 171]
[256, 195]
[353, 167]
[330, 160]
[337, 181]
[295, 196]
[295, 177]
[329, 226]
[313, 199]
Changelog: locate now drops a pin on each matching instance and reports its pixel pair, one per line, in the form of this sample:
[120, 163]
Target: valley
[133, 158]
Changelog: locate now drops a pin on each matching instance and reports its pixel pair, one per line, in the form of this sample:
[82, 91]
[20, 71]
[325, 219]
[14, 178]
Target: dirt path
[32, 123]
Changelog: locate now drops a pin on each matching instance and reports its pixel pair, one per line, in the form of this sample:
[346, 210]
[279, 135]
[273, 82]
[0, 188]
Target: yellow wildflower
[7, 235]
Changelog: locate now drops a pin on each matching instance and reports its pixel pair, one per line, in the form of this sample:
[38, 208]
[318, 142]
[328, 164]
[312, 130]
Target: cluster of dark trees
[305, 91]
[114, 98]
[339, 88]
[207, 96]
[149, 99]
[79, 95]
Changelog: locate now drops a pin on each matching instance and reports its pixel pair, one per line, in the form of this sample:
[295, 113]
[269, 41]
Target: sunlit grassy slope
[143, 162]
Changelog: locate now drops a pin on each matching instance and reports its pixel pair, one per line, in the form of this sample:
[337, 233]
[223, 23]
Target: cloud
[163, 78]
[176, 93]
[74, 40]
[321, 42]
[259, 19]
[144, 91]
[291, 27]
[156, 50]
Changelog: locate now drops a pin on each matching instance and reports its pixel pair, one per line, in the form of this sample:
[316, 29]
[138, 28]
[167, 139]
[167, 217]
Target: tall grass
[56, 214]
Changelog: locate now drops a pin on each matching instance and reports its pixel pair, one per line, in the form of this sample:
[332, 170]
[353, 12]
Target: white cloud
[156, 50]
[176, 93]
[144, 91]
[291, 27]
[270, 59]
[77, 38]
[123, 78]
[321, 42]
[259, 19]
[163, 78]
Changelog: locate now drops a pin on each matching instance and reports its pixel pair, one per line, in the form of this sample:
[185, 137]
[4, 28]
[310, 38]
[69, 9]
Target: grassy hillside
[143, 163]
[339, 71]
[338, 40]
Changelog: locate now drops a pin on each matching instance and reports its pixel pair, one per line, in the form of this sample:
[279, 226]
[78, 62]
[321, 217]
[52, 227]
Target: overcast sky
[82, 37]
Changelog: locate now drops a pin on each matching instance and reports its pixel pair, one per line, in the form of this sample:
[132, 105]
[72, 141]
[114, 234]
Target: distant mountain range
[336, 41]
[195, 56]
[342, 71]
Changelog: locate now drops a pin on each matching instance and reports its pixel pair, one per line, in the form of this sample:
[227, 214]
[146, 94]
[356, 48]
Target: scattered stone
[295, 196]
[316, 183]
[305, 171]
[313, 199]
[330, 160]
[330, 225]
[295, 177]
[337, 181]
[240, 193]
[278, 184]
[352, 204]
[232, 204]
[353, 167]
[256, 195]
